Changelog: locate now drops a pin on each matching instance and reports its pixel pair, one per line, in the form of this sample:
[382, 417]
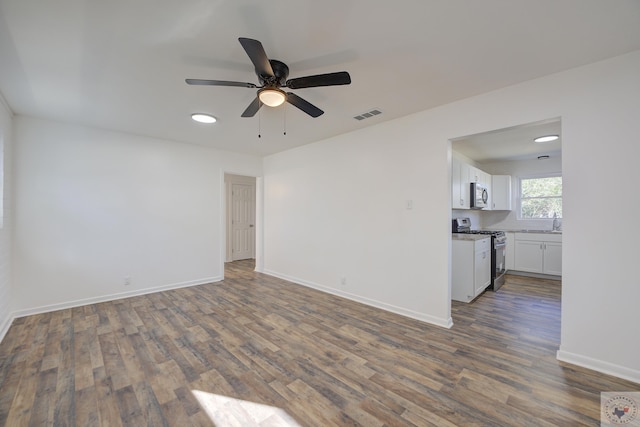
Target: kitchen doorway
[240, 213]
[505, 160]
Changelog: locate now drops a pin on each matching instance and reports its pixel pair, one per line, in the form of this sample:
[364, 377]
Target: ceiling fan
[272, 75]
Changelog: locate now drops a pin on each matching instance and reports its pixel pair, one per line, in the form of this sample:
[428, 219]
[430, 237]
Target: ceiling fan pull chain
[285, 119]
[259, 122]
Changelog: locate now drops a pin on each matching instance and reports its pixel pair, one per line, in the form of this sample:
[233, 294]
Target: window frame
[519, 194]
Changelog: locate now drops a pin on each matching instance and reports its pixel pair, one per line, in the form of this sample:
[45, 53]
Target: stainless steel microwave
[479, 196]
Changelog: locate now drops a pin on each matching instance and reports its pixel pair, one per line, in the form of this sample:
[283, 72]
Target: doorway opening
[240, 217]
[503, 161]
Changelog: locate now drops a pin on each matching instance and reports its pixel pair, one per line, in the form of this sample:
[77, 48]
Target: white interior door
[242, 221]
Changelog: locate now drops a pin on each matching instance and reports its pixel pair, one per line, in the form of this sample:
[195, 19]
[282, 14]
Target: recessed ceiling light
[203, 118]
[545, 139]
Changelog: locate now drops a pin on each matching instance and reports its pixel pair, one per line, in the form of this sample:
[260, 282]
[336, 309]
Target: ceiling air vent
[368, 114]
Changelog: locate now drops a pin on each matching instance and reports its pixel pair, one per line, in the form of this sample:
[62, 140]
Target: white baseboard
[536, 275]
[599, 365]
[4, 327]
[111, 297]
[445, 323]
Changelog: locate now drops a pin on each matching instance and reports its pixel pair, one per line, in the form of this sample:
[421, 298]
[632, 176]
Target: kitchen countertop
[464, 236]
[535, 231]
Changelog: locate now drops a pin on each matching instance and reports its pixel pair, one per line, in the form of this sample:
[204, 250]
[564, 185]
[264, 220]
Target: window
[541, 197]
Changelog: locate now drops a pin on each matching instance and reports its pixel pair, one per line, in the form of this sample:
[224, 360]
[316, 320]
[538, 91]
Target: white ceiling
[516, 143]
[121, 64]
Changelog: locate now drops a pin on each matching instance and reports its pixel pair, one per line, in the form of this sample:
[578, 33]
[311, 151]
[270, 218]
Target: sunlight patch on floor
[226, 411]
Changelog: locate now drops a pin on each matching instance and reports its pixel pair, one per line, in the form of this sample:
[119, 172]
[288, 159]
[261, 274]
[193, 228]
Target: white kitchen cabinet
[478, 175]
[510, 254]
[471, 268]
[552, 261]
[501, 192]
[538, 253]
[460, 188]
[462, 175]
[474, 174]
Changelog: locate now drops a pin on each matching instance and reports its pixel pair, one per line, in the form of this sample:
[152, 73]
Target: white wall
[6, 144]
[93, 207]
[507, 220]
[337, 208]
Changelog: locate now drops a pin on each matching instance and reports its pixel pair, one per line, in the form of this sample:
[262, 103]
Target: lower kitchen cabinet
[552, 260]
[538, 253]
[471, 268]
[510, 255]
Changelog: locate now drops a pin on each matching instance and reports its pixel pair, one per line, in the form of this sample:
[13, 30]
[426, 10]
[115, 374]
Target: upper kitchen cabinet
[477, 175]
[501, 192]
[462, 175]
[460, 188]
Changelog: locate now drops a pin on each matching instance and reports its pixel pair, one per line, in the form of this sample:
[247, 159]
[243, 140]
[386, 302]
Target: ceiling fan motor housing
[280, 71]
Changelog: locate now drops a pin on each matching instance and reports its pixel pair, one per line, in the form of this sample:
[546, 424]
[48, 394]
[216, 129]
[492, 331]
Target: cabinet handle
[540, 246]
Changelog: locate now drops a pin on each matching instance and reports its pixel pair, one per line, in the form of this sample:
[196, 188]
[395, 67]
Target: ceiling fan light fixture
[203, 118]
[545, 139]
[272, 97]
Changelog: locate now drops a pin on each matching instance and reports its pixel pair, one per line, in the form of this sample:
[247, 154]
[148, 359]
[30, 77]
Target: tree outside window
[541, 197]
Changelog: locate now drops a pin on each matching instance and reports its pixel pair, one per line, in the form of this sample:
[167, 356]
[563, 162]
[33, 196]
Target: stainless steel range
[498, 249]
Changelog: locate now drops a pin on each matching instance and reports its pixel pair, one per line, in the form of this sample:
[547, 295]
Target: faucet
[556, 222]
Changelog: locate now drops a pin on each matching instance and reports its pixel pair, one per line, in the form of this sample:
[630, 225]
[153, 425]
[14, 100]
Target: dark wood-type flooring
[254, 350]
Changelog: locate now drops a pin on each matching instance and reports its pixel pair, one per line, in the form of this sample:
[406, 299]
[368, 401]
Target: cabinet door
[474, 174]
[455, 183]
[465, 186]
[511, 252]
[485, 179]
[482, 277]
[460, 188]
[501, 192]
[462, 270]
[529, 256]
[553, 258]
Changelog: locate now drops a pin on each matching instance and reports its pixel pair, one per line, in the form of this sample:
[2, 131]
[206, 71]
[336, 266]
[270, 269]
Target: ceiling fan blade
[258, 56]
[304, 105]
[253, 108]
[218, 83]
[331, 79]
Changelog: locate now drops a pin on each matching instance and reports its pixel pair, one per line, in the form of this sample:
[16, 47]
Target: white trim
[599, 365]
[112, 297]
[5, 104]
[259, 224]
[519, 192]
[5, 327]
[445, 323]
[229, 178]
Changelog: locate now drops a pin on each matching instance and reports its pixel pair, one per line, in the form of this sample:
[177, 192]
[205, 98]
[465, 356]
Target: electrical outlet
[127, 280]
